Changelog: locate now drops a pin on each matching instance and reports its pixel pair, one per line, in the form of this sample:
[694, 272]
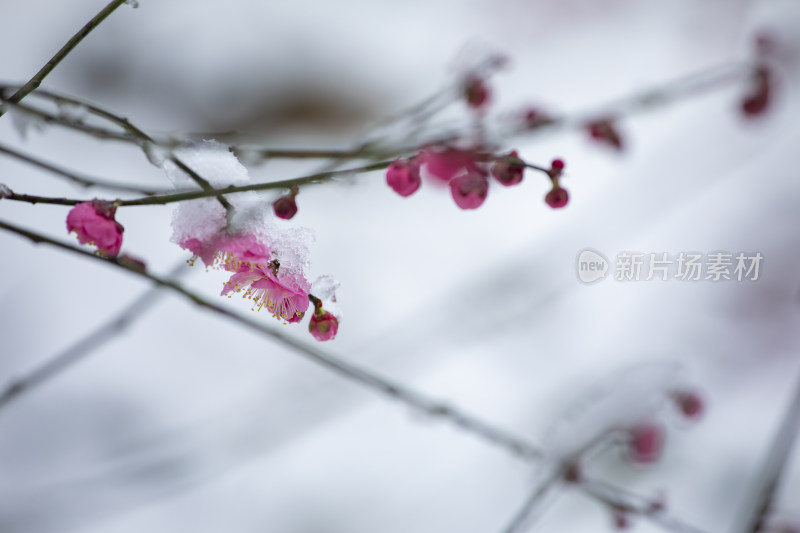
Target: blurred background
[186, 422]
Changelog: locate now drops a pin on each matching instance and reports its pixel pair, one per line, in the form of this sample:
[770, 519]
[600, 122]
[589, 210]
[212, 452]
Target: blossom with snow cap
[230, 252]
[266, 261]
[93, 222]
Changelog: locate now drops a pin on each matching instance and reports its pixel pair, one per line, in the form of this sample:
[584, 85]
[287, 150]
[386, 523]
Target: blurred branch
[627, 502]
[522, 517]
[74, 177]
[774, 464]
[37, 79]
[419, 402]
[84, 347]
[681, 88]
[616, 498]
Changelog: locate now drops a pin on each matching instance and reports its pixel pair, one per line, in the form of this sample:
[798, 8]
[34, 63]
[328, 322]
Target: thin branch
[74, 177]
[84, 347]
[417, 401]
[193, 195]
[48, 67]
[770, 475]
[134, 134]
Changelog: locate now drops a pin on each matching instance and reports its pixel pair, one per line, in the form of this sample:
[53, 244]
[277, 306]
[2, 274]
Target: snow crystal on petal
[198, 219]
[324, 288]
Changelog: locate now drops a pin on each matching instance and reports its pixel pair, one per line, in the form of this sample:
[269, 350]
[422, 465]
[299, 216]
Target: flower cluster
[467, 172]
[266, 263]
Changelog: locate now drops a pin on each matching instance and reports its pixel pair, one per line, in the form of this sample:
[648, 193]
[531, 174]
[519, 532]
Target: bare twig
[48, 67]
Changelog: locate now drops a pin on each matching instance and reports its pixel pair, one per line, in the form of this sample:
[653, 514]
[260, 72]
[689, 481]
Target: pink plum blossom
[646, 442]
[283, 293]
[285, 207]
[689, 402]
[93, 222]
[448, 163]
[507, 172]
[470, 190]
[403, 176]
[323, 326]
[557, 197]
[230, 252]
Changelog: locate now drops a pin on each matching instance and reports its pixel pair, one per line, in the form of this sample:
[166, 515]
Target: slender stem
[773, 469]
[48, 67]
[54, 366]
[49, 118]
[272, 153]
[417, 401]
[193, 195]
[74, 177]
[318, 177]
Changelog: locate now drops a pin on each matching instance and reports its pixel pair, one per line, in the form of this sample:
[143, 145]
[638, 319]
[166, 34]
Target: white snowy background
[187, 422]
